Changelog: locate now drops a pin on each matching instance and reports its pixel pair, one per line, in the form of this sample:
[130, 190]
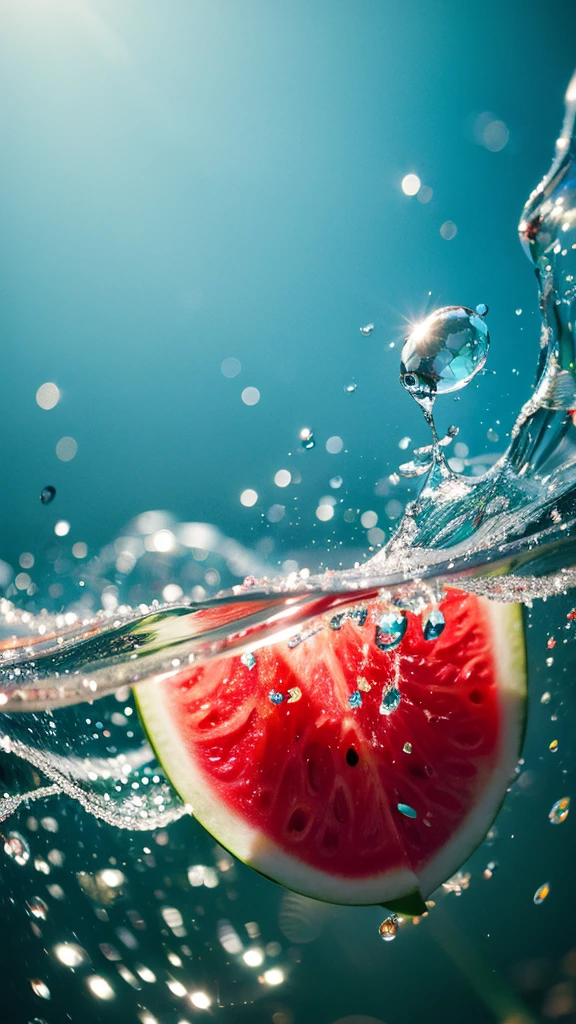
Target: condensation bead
[444, 352]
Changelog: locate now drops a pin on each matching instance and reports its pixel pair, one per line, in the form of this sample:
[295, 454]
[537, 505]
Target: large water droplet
[433, 625]
[367, 330]
[389, 928]
[390, 630]
[444, 352]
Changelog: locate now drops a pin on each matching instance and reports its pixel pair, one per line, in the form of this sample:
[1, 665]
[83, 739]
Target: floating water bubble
[17, 848]
[275, 697]
[337, 620]
[407, 811]
[482, 309]
[355, 699]
[489, 869]
[553, 746]
[367, 330]
[336, 482]
[407, 748]
[444, 352]
[307, 438]
[389, 928]
[248, 659]
[363, 684]
[47, 494]
[433, 625]
[294, 694]
[391, 698]
[541, 893]
[559, 811]
[390, 630]
[349, 389]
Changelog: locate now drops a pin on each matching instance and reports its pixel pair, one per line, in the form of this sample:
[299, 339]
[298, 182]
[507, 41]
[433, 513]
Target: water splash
[508, 533]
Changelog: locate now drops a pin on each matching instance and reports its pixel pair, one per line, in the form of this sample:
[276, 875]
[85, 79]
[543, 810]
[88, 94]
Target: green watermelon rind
[400, 889]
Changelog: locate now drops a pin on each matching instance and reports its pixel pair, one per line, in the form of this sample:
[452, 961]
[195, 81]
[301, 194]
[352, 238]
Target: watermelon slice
[349, 773]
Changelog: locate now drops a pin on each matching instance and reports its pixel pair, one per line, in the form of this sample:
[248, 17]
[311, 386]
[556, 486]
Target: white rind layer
[258, 851]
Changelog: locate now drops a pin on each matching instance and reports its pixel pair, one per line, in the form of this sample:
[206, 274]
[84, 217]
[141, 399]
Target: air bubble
[248, 659]
[349, 389]
[366, 331]
[541, 893]
[444, 352]
[355, 699]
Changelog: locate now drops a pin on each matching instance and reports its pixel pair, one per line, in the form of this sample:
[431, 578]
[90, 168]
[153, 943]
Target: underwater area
[289, 420]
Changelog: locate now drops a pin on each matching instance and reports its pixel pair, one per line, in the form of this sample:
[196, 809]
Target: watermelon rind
[398, 889]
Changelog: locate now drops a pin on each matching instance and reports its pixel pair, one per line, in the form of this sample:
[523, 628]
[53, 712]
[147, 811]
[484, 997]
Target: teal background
[191, 180]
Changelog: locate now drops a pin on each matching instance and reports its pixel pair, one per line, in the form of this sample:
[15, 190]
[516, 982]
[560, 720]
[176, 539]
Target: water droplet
[307, 438]
[553, 746]
[490, 869]
[355, 699]
[545, 698]
[444, 352]
[336, 482]
[559, 811]
[407, 811]
[40, 988]
[275, 697]
[482, 309]
[294, 694]
[363, 684]
[37, 908]
[390, 630]
[349, 389]
[48, 494]
[248, 659]
[16, 847]
[391, 698]
[433, 625]
[367, 330]
[359, 615]
[541, 893]
[518, 312]
[389, 928]
[407, 748]
[337, 620]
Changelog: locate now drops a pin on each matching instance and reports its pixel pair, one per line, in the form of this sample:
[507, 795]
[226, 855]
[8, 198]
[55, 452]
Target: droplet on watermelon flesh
[433, 625]
[390, 630]
[308, 792]
[391, 698]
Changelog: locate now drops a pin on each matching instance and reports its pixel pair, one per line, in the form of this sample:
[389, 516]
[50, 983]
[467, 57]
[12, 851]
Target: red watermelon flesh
[350, 804]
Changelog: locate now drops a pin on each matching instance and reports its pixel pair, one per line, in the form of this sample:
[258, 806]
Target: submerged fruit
[376, 800]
